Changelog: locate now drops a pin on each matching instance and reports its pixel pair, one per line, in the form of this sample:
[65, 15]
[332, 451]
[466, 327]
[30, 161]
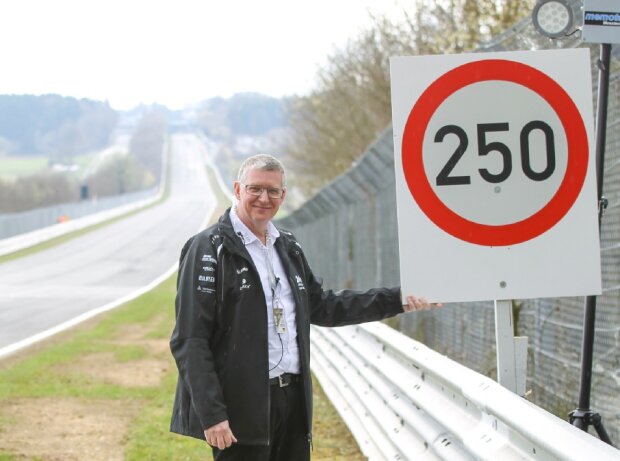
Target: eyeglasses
[257, 191]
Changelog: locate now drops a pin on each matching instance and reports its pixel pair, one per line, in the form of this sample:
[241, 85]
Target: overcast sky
[173, 52]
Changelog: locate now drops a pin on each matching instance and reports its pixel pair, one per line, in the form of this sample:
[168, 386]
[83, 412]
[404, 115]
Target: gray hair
[261, 162]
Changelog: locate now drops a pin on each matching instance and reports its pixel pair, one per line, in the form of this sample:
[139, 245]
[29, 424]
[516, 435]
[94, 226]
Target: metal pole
[504, 336]
[583, 416]
[511, 350]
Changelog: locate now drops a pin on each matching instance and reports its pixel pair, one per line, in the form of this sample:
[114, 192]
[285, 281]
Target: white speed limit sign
[495, 176]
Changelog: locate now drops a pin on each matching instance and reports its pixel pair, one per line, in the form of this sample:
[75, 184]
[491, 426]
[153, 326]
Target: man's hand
[220, 435]
[418, 304]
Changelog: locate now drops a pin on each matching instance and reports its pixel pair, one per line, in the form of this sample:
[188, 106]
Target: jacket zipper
[250, 263]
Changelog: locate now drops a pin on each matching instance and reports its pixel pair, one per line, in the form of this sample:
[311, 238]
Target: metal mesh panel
[354, 243]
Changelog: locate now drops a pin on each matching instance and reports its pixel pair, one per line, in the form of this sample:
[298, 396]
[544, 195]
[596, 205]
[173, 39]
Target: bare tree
[350, 107]
[147, 143]
[119, 174]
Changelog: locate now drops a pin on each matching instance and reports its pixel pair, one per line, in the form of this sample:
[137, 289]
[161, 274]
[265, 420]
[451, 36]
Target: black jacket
[219, 341]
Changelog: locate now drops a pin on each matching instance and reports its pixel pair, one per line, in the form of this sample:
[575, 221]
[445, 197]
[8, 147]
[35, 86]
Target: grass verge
[119, 360]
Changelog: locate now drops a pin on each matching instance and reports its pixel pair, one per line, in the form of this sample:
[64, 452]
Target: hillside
[52, 125]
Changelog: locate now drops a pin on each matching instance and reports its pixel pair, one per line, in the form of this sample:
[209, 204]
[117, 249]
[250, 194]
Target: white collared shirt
[283, 350]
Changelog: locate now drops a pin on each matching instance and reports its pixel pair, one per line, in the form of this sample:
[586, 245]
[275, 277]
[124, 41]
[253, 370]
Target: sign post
[511, 351]
[494, 181]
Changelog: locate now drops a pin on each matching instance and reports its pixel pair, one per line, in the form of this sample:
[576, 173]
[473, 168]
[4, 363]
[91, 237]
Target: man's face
[257, 211]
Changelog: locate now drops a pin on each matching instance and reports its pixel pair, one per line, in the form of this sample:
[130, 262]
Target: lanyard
[273, 280]
[278, 312]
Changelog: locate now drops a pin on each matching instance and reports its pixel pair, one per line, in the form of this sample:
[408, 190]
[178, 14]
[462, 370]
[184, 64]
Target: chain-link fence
[349, 231]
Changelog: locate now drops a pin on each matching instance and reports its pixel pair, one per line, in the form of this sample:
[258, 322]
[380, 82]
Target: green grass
[38, 374]
[23, 165]
[150, 439]
[11, 458]
[14, 165]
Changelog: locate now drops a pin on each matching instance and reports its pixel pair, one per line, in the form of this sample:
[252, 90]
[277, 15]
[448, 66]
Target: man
[245, 300]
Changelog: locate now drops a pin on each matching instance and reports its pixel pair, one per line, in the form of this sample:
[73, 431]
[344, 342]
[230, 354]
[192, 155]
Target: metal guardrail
[22, 222]
[404, 401]
[28, 239]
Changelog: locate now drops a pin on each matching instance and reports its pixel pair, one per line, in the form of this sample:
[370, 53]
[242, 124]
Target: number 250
[484, 148]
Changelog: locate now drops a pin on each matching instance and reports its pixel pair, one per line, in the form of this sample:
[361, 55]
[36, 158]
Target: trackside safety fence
[349, 231]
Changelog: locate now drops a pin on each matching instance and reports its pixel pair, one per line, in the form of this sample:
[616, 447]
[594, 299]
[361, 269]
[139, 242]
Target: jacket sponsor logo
[242, 270]
[206, 278]
[244, 285]
[208, 268]
[209, 258]
[300, 283]
[203, 289]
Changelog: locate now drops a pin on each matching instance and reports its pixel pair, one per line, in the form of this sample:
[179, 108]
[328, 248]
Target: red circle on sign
[453, 223]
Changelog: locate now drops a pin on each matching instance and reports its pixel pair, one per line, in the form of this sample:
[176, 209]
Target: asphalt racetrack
[48, 290]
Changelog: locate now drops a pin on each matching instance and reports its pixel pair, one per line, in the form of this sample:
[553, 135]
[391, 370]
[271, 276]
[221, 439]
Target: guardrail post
[511, 350]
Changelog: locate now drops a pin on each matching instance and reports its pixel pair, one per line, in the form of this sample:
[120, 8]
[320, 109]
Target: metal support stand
[583, 417]
[511, 350]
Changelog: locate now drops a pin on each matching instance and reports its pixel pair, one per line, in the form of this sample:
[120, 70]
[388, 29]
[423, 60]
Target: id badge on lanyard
[278, 318]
